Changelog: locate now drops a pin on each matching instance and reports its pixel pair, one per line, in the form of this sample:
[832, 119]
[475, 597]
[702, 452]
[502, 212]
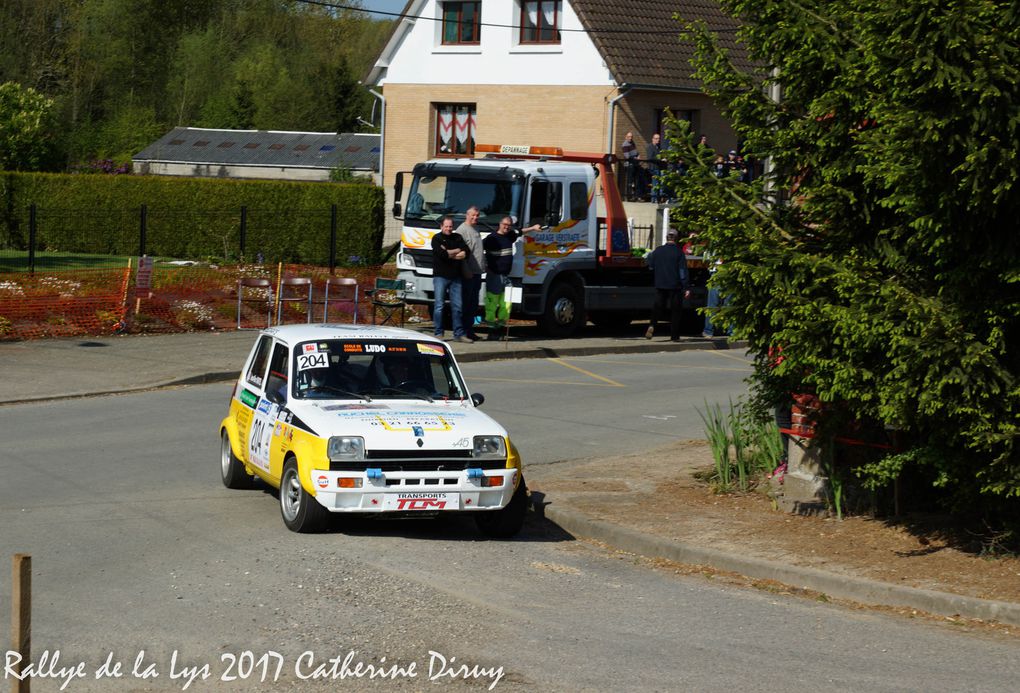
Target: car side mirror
[275, 397]
[396, 210]
[477, 398]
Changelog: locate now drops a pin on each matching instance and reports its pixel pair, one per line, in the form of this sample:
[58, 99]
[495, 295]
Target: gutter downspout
[612, 117]
[382, 134]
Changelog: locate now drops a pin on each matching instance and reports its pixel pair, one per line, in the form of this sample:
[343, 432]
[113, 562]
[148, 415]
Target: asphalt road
[137, 547]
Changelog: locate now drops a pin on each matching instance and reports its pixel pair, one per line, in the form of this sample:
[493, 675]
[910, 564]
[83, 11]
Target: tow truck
[579, 267]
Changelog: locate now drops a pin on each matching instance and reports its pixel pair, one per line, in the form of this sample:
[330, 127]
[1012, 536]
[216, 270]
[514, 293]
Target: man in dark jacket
[499, 260]
[669, 265]
[448, 253]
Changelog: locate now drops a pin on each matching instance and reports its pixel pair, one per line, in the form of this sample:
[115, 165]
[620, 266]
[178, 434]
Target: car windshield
[434, 196]
[375, 369]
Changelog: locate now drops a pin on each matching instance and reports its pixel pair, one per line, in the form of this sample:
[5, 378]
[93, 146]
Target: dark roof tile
[629, 37]
[314, 149]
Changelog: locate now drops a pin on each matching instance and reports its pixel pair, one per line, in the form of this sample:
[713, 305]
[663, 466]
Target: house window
[455, 129]
[678, 113]
[461, 23]
[540, 21]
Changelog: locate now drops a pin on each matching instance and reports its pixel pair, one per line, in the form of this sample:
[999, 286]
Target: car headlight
[489, 448]
[346, 448]
[408, 259]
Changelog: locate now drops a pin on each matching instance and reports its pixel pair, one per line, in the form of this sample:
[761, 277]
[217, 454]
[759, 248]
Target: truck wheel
[301, 512]
[610, 320]
[506, 522]
[564, 311]
[232, 469]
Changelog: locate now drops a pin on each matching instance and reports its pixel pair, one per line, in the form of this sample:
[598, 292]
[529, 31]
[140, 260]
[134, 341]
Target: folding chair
[346, 294]
[388, 299]
[295, 290]
[255, 283]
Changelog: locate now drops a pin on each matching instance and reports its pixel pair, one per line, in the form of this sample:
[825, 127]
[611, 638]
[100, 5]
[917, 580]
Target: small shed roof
[327, 150]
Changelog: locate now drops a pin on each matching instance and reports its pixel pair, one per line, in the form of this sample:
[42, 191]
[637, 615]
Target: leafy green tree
[27, 129]
[123, 68]
[878, 253]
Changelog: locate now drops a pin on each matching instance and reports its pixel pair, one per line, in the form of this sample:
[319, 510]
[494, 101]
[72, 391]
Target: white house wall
[420, 58]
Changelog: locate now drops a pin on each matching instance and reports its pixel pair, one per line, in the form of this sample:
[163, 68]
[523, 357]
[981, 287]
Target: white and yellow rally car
[352, 419]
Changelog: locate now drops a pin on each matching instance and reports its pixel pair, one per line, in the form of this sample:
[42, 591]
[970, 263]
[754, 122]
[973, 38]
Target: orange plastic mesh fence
[80, 302]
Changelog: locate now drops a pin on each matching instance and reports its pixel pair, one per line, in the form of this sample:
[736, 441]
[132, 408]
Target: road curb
[525, 352]
[201, 379]
[522, 352]
[843, 587]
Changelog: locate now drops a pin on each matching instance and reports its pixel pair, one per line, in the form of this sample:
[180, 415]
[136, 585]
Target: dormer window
[462, 23]
[540, 21]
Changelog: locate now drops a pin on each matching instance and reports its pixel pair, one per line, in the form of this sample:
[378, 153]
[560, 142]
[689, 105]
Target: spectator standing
[629, 155]
[473, 268]
[448, 254]
[719, 168]
[654, 163]
[499, 259]
[669, 267]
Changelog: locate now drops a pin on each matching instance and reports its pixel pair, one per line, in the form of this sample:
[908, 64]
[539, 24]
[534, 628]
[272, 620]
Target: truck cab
[577, 267]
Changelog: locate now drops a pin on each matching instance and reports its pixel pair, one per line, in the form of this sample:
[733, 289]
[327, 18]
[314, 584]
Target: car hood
[398, 424]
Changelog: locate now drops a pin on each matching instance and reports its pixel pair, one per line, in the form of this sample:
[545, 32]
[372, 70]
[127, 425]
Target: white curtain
[446, 128]
[463, 127]
[531, 21]
[549, 17]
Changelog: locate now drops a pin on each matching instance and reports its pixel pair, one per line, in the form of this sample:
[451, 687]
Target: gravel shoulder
[658, 493]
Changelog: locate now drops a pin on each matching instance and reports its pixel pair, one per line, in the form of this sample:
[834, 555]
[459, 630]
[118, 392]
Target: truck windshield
[435, 195]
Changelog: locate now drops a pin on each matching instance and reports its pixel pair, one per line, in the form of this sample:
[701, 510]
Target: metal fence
[83, 238]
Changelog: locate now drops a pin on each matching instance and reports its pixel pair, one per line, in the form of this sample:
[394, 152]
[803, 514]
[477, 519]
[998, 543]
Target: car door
[248, 392]
[273, 398]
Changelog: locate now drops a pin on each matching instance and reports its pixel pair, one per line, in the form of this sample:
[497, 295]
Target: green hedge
[192, 218]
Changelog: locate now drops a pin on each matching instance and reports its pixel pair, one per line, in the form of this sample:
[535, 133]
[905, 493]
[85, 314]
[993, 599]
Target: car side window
[276, 381]
[256, 374]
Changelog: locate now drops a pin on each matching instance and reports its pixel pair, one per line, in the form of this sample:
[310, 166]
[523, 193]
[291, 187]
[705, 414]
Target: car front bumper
[414, 492]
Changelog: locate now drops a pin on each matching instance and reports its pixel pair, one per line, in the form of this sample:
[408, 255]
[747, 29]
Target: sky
[384, 6]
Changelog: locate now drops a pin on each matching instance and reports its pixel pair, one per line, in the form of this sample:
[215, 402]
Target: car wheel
[232, 469]
[301, 512]
[506, 522]
[564, 311]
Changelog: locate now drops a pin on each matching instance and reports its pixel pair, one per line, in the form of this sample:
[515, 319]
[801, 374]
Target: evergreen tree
[878, 253]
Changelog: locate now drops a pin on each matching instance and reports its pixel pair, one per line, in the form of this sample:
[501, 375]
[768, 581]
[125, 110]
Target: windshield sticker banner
[431, 349]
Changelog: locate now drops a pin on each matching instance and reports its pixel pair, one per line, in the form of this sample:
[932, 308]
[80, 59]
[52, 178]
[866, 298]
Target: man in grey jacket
[473, 264]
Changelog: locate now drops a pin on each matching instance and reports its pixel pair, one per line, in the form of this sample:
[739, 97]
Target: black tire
[506, 522]
[564, 311]
[232, 470]
[301, 512]
[610, 320]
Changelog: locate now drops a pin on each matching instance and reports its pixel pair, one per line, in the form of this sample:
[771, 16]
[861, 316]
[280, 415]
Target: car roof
[292, 334]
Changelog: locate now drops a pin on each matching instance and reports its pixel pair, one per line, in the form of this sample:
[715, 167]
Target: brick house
[577, 74]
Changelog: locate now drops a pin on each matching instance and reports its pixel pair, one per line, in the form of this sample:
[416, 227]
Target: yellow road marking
[536, 382]
[731, 356]
[666, 365]
[588, 373]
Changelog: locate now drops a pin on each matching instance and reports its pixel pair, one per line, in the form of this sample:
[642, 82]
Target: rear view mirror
[398, 192]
